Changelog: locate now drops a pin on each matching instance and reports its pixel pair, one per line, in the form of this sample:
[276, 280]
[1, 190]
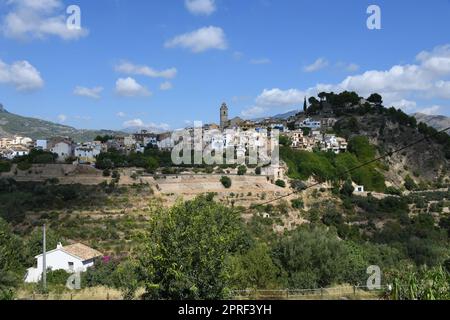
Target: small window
[71, 265]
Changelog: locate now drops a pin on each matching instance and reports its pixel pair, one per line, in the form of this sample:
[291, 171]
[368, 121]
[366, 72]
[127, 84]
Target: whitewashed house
[73, 258]
[87, 152]
[309, 123]
[16, 151]
[63, 149]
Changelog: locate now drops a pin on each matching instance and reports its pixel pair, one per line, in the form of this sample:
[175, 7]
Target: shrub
[115, 175]
[347, 189]
[24, 166]
[5, 166]
[297, 203]
[226, 182]
[242, 170]
[393, 191]
[106, 173]
[280, 183]
[410, 185]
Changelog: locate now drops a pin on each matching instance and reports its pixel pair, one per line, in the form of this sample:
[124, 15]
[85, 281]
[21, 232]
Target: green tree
[126, 278]
[34, 243]
[186, 248]
[376, 98]
[11, 261]
[285, 141]
[314, 257]
[254, 269]
[347, 189]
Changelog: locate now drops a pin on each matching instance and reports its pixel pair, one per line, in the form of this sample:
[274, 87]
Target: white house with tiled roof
[74, 258]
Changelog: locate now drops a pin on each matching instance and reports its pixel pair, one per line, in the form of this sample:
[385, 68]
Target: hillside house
[72, 258]
[15, 151]
[62, 147]
[88, 152]
[308, 123]
[297, 138]
[334, 144]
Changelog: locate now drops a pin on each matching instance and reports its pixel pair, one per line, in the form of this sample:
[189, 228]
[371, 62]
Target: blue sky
[163, 63]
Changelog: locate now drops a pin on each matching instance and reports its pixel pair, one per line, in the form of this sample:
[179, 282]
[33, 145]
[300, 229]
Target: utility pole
[44, 262]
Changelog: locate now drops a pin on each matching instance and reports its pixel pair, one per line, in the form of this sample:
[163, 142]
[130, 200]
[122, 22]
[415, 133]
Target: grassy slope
[39, 129]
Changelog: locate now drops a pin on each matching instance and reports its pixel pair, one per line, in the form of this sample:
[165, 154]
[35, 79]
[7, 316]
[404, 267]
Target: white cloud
[319, 64]
[351, 67]
[166, 86]
[280, 98]
[22, 75]
[436, 61]
[138, 123]
[93, 93]
[405, 105]
[200, 7]
[277, 99]
[133, 123]
[121, 114]
[38, 19]
[132, 69]
[260, 61]
[434, 110]
[399, 85]
[62, 118]
[200, 40]
[253, 112]
[442, 89]
[128, 87]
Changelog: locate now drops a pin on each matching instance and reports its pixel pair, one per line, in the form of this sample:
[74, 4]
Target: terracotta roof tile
[82, 251]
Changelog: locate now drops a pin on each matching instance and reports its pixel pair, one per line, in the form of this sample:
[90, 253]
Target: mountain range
[12, 124]
[437, 122]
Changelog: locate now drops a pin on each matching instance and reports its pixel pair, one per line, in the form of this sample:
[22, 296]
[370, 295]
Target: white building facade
[73, 258]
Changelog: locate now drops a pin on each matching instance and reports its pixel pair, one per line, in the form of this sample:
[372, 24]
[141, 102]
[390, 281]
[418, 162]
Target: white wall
[63, 150]
[57, 260]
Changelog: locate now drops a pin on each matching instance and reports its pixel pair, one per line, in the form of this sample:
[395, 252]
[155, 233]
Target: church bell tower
[223, 116]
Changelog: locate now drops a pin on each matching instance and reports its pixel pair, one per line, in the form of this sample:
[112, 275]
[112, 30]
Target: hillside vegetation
[12, 124]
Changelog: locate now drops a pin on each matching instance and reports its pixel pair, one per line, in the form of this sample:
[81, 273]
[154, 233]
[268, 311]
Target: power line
[388, 154]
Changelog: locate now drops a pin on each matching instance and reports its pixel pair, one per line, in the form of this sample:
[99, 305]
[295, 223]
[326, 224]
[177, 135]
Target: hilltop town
[340, 175]
[304, 132]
